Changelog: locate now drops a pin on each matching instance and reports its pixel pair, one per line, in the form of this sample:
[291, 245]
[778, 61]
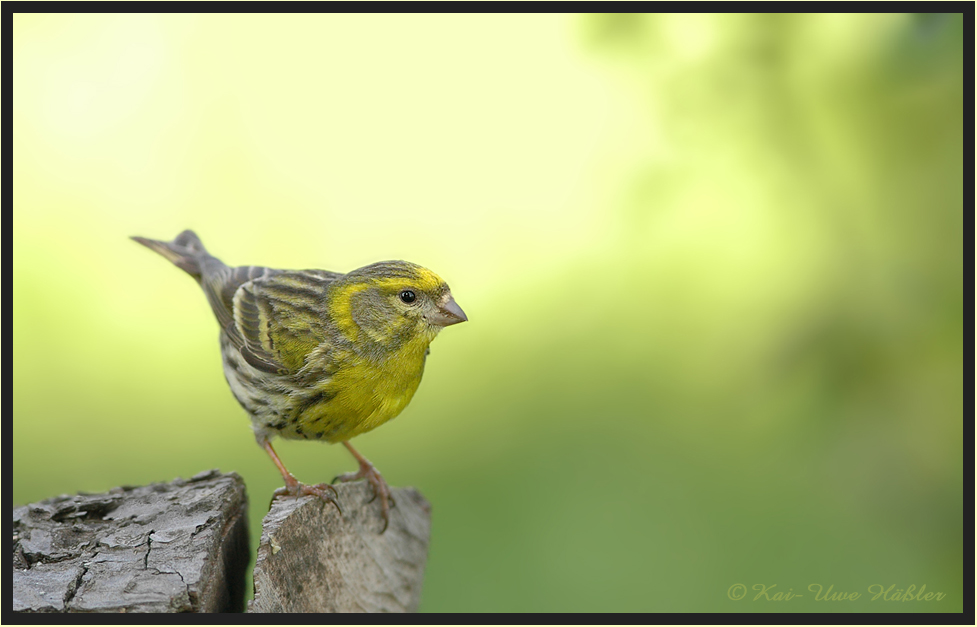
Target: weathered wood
[311, 559]
[175, 547]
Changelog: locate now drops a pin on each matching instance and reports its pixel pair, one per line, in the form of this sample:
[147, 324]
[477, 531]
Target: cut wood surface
[311, 559]
[169, 547]
[183, 547]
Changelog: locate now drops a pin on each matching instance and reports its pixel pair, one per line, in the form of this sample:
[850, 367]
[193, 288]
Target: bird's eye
[408, 296]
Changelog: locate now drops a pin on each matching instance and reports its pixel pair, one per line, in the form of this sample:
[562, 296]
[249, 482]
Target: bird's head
[393, 302]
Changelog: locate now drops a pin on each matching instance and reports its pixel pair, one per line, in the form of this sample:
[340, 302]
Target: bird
[320, 355]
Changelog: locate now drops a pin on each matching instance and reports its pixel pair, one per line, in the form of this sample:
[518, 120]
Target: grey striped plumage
[271, 394]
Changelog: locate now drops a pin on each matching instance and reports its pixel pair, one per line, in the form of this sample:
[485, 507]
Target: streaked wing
[279, 318]
[220, 286]
[220, 283]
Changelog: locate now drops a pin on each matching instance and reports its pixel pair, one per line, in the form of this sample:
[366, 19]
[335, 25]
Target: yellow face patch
[341, 309]
[341, 303]
[427, 281]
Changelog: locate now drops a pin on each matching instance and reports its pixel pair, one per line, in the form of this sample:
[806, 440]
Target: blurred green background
[712, 263]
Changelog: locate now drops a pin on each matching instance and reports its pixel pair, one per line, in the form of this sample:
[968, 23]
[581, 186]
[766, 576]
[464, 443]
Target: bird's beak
[449, 313]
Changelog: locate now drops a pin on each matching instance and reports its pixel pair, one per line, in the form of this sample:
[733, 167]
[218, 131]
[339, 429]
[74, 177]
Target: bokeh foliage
[713, 267]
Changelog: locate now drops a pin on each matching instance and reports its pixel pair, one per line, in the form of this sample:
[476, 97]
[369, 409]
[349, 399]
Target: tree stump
[174, 547]
[312, 559]
[183, 547]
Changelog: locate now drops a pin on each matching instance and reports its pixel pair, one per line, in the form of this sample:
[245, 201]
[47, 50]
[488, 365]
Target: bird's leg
[293, 487]
[369, 472]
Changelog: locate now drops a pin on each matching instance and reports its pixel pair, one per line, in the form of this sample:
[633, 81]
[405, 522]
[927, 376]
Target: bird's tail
[186, 252]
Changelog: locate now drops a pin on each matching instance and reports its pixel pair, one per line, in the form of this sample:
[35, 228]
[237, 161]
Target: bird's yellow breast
[364, 394]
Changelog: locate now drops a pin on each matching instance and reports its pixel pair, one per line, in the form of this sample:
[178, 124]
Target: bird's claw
[301, 489]
[380, 488]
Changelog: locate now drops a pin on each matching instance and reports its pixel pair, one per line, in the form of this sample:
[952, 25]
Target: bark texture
[167, 547]
[311, 559]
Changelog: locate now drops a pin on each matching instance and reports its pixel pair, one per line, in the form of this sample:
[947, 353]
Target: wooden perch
[311, 559]
[174, 547]
[183, 547]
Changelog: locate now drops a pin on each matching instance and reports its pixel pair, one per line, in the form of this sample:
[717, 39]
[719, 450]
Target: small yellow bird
[318, 355]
